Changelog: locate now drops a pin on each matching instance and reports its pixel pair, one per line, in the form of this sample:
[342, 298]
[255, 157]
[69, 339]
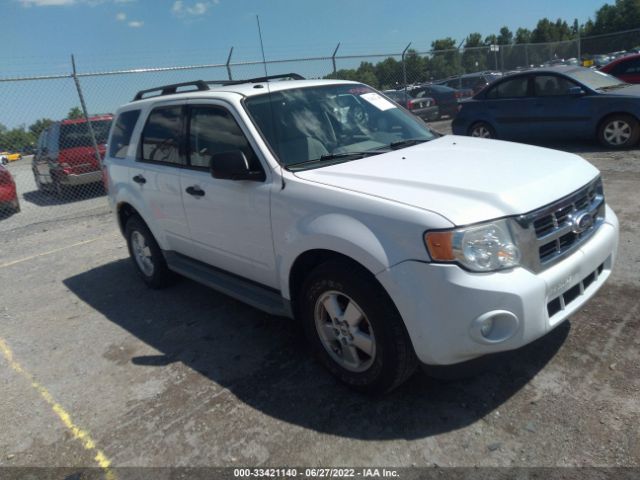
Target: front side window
[122, 130]
[337, 122]
[552, 86]
[161, 136]
[213, 130]
[514, 88]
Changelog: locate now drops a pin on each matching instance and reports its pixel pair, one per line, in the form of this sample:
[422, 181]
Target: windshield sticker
[378, 101]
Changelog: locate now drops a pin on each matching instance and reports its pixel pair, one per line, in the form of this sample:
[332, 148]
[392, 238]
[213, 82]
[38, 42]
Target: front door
[229, 220]
[559, 112]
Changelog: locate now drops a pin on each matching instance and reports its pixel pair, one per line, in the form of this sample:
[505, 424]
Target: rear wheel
[146, 254]
[619, 131]
[354, 329]
[482, 130]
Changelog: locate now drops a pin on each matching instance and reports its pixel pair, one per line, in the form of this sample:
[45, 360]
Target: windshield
[77, 134]
[594, 79]
[338, 122]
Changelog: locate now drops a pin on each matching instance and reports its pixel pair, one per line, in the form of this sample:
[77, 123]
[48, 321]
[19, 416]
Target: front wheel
[146, 254]
[482, 130]
[354, 329]
[619, 131]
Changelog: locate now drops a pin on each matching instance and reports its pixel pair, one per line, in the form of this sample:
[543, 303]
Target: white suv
[325, 201]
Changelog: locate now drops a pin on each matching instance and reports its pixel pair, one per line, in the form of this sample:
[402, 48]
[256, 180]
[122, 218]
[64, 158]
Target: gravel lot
[188, 377]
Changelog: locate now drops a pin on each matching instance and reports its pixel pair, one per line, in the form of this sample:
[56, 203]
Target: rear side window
[162, 135]
[73, 135]
[627, 67]
[514, 88]
[122, 130]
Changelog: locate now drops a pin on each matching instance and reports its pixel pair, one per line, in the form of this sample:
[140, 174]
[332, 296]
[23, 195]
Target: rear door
[509, 107]
[155, 175]
[229, 220]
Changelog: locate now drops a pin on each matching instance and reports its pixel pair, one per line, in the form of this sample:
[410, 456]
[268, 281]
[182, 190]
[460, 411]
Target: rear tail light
[66, 168]
[458, 94]
[410, 105]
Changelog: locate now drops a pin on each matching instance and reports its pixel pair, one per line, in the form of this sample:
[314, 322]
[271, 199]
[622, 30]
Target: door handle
[195, 191]
[139, 179]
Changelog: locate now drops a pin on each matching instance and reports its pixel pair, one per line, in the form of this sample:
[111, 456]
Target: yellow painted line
[14, 262]
[79, 434]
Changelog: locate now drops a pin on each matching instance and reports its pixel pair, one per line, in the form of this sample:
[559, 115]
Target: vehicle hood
[464, 179]
[631, 90]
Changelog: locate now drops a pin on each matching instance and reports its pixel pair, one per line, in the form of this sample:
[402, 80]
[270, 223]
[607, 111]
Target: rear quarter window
[122, 131]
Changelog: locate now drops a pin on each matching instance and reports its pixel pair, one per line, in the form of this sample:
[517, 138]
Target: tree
[523, 35]
[75, 113]
[474, 57]
[505, 37]
[445, 61]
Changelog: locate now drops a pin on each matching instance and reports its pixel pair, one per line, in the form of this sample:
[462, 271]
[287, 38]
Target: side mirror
[233, 165]
[576, 91]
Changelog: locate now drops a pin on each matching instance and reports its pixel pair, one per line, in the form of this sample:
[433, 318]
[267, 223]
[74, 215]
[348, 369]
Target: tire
[482, 130]
[373, 353]
[146, 254]
[619, 131]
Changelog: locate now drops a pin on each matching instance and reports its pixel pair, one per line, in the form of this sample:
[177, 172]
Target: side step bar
[251, 293]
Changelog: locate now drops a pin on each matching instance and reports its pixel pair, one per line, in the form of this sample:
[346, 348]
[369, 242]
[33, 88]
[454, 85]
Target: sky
[38, 37]
[115, 33]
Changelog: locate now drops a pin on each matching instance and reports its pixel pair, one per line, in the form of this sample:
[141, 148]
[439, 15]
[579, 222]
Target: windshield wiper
[406, 143]
[612, 87]
[337, 156]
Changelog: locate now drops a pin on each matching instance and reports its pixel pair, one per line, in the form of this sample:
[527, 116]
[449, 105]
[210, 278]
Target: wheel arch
[307, 261]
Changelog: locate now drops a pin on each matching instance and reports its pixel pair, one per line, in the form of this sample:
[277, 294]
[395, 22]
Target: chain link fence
[53, 129]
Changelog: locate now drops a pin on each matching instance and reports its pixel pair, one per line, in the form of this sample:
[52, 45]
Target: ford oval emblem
[581, 222]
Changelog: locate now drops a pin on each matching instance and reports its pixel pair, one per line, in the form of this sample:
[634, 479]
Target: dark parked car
[473, 81]
[625, 68]
[445, 97]
[65, 155]
[424, 107]
[558, 102]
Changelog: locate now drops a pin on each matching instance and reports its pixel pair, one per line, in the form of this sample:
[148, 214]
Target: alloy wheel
[142, 253]
[344, 331]
[617, 133]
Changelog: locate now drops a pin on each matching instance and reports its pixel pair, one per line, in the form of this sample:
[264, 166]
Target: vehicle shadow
[6, 213]
[263, 361]
[70, 195]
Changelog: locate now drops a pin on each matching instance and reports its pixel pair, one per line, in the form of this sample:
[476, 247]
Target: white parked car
[324, 201]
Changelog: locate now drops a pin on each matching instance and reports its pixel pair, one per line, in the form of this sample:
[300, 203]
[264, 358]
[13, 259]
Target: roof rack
[201, 85]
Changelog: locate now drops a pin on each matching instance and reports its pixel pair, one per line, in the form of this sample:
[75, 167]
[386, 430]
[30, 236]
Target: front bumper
[442, 304]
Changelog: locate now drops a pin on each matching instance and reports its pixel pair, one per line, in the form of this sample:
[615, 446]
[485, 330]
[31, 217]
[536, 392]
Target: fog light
[487, 326]
[494, 327]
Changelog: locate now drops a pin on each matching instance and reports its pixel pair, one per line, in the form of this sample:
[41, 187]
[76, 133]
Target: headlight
[482, 248]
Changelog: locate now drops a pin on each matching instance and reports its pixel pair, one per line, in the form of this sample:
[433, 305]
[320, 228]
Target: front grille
[561, 302]
[564, 225]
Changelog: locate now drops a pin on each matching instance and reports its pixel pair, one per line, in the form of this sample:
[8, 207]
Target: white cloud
[46, 3]
[121, 17]
[192, 9]
[136, 24]
[58, 3]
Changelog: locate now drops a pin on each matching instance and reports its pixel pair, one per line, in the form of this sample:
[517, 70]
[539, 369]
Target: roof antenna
[264, 60]
[273, 118]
